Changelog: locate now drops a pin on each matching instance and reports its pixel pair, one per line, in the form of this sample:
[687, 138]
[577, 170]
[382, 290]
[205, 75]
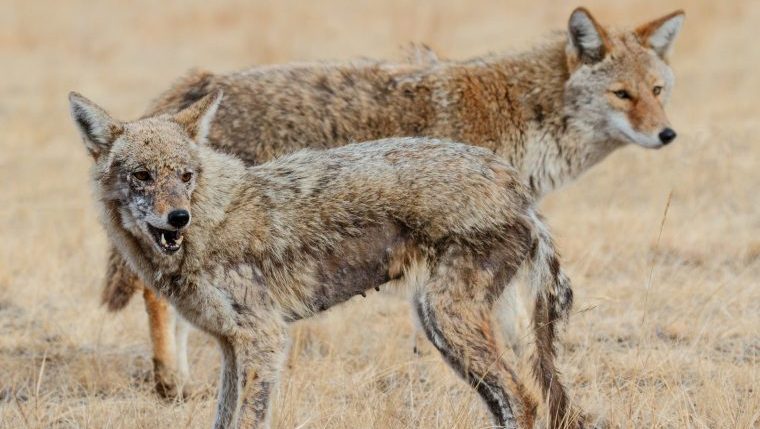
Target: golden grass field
[666, 330]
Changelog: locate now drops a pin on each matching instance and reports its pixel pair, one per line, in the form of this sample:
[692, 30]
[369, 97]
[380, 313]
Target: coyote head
[620, 81]
[147, 169]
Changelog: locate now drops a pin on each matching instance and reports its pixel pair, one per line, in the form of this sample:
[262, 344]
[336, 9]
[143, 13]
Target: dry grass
[666, 331]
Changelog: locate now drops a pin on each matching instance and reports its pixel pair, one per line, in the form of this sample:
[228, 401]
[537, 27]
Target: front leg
[161, 322]
[229, 387]
[253, 357]
[260, 362]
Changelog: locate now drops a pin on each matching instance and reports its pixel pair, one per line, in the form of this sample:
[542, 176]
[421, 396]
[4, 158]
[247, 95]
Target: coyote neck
[515, 105]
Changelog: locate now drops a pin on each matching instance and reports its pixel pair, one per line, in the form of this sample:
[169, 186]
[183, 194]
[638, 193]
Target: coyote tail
[186, 90]
[553, 301]
[551, 287]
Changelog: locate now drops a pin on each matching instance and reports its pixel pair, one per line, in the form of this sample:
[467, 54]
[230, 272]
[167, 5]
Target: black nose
[179, 218]
[667, 135]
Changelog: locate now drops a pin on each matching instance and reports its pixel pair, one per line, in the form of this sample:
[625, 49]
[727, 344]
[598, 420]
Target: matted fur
[285, 240]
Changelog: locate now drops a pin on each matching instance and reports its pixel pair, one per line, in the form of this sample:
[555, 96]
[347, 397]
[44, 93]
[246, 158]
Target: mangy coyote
[241, 252]
[552, 112]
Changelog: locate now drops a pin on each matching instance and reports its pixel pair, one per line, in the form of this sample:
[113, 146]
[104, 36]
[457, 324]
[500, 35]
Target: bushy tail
[120, 283]
[553, 301]
[185, 91]
[549, 284]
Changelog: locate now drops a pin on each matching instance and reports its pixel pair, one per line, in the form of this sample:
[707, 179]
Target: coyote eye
[142, 176]
[622, 94]
[187, 176]
[657, 90]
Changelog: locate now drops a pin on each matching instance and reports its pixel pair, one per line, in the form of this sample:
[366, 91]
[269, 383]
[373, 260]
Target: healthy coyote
[240, 252]
[552, 112]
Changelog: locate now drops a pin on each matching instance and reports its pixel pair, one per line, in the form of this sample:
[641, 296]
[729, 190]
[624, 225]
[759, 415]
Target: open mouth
[168, 241]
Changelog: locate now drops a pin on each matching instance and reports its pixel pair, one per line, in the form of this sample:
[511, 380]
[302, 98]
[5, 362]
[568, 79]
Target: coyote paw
[178, 392]
[171, 385]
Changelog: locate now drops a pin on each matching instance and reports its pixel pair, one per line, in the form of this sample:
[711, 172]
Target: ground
[663, 246]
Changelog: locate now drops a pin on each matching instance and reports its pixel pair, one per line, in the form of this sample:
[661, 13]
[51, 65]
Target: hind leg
[454, 309]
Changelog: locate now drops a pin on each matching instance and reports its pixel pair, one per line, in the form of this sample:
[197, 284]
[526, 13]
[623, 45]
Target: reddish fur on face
[638, 75]
[647, 114]
[644, 109]
[160, 207]
[173, 196]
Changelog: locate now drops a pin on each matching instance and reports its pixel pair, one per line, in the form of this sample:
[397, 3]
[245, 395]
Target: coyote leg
[259, 371]
[229, 387]
[457, 320]
[161, 322]
[252, 363]
[181, 333]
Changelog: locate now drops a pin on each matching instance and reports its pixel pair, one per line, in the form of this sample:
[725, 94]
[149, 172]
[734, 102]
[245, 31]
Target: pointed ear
[587, 40]
[98, 129]
[660, 33]
[196, 119]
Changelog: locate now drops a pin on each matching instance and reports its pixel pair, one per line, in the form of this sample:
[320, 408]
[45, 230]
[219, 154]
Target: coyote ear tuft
[197, 118]
[98, 129]
[660, 33]
[588, 41]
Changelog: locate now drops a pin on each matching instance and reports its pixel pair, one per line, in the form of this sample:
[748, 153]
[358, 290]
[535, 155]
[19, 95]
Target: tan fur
[163, 349]
[285, 240]
[538, 110]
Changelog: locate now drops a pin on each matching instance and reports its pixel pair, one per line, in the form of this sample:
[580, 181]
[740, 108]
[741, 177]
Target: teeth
[179, 240]
[163, 240]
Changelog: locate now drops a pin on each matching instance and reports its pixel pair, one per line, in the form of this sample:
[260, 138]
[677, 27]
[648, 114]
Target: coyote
[552, 112]
[241, 252]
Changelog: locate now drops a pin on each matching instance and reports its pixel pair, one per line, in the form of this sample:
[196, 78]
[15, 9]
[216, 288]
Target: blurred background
[668, 300]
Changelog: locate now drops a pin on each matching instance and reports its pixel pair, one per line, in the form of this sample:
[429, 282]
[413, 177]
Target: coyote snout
[667, 135]
[169, 212]
[638, 115]
[179, 218]
[161, 202]
[170, 240]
